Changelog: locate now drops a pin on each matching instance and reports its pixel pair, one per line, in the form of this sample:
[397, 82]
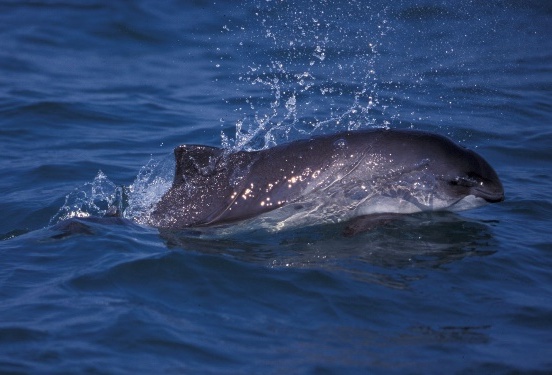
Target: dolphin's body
[326, 179]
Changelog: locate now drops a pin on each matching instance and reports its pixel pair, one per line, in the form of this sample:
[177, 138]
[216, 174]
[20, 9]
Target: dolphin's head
[475, 177]
[463, 178]
[464, 173]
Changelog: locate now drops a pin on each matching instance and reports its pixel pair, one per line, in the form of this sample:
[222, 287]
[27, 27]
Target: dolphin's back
[211, 187]
[201, 188]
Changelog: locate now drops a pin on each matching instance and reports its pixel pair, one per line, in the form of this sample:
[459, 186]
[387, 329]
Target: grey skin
[326, 179]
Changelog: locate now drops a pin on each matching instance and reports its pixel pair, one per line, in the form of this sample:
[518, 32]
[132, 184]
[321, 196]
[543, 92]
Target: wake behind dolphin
[326, 179]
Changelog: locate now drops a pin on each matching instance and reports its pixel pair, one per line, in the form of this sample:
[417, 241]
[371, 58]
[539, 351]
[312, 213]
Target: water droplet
[340, 143]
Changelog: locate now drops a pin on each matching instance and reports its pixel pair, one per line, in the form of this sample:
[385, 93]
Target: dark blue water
[114, 86]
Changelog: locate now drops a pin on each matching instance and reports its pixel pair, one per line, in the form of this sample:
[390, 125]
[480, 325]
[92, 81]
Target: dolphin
[326, 179]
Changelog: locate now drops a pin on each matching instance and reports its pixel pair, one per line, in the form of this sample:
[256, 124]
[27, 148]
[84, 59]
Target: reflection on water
[420, 241]
[394, 254]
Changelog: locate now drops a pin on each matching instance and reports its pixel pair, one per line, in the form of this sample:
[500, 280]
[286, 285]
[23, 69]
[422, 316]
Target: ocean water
[94, 96]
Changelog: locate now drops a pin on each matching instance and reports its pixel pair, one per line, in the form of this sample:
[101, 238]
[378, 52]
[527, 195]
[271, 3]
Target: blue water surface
[94, 96]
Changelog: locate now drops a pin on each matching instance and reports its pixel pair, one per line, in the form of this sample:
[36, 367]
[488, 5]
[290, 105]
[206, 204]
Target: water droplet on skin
[340, 143]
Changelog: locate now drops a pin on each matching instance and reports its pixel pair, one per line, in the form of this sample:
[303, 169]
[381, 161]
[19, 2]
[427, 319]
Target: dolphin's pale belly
[339, 204]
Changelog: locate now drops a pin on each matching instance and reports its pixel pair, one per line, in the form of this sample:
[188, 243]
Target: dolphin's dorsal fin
[194, 161]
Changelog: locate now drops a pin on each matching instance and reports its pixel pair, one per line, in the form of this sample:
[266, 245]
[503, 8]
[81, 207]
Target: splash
[153, 180]
[101, 197]
[313, 71]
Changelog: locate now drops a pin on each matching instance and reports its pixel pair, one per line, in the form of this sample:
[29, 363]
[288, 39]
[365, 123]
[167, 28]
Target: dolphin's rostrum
[330, 178]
